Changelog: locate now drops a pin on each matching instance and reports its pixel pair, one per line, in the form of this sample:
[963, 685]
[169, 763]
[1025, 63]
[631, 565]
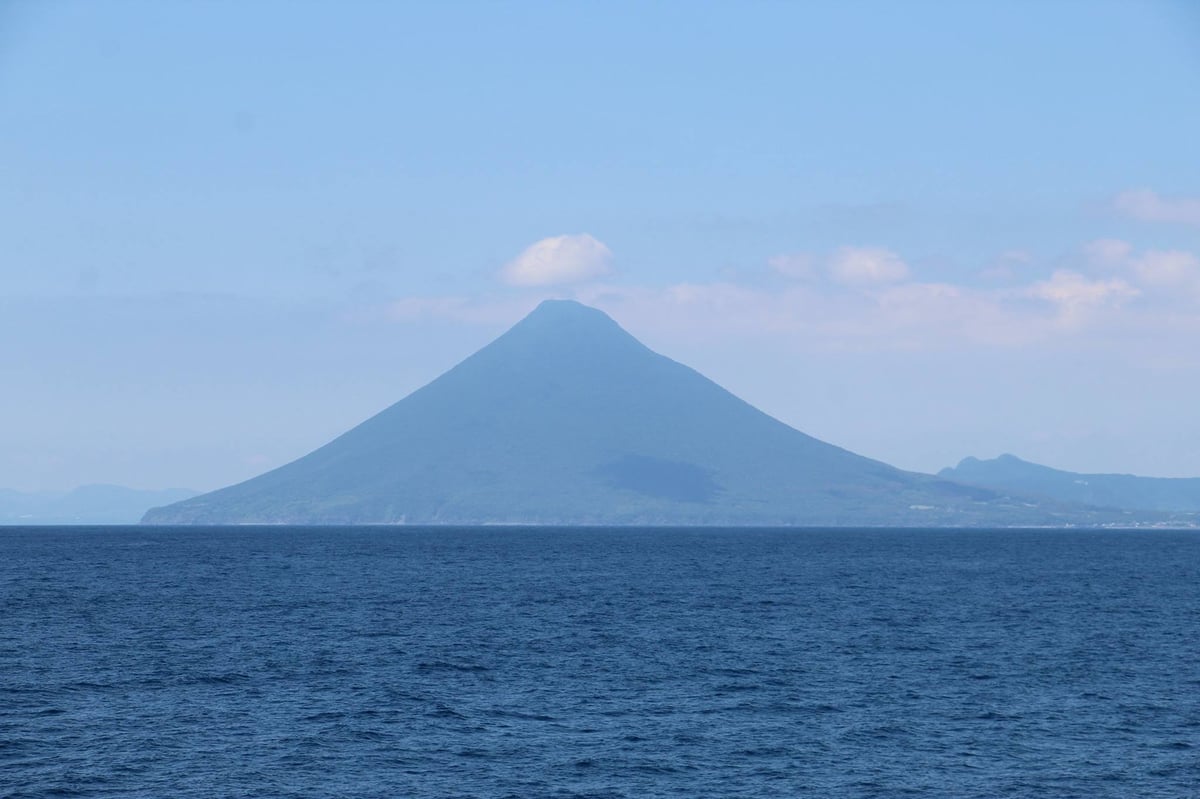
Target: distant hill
[567, 419]
[90, 504]
[1009, 473]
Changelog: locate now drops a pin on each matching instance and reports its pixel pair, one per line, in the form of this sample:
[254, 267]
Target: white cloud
[858, 266]
[1075, 295]
[1144, 295]
[1148, 206]
[1168, 269]
[1175, 273]
[796, 265]
[906, 316]
[559, 260]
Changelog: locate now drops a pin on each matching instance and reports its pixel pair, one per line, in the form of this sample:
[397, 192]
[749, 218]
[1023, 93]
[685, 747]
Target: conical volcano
[568, 419]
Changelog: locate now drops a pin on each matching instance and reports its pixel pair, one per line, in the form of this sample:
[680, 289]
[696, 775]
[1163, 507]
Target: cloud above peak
[559, 260]
[1148, 206]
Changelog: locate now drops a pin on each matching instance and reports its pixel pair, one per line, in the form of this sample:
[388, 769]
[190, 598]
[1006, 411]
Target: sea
[542, 662]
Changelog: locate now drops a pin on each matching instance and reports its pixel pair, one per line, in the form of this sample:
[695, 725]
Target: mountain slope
[567, 419]
[1011, 474]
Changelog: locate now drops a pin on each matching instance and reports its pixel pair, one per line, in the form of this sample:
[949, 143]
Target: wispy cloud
[1006, 265]
[859, 266]
[1149, 206]
[1131, 294]
[794, 265]
[1169, 269]
[849, 266]
[559, 260]
[1169, 272]
[1108, 252]
[1076, 295]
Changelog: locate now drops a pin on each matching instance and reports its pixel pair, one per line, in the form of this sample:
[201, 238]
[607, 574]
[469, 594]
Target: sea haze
[379, 662]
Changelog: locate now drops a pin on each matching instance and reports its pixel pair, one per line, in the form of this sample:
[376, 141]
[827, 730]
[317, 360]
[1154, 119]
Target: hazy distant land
[90, 504]
[1126, 491]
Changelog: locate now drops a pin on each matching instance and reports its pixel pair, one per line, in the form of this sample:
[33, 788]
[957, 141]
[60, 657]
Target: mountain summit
[568, 419]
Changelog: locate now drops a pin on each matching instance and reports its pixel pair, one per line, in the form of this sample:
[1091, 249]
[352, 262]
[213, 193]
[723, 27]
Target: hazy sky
[921, 231]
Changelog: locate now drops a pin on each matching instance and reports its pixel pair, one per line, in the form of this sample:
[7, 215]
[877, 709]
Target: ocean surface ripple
[371, 662]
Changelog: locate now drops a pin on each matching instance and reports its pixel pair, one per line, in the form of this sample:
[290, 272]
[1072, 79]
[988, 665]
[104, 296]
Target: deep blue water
[604, 663]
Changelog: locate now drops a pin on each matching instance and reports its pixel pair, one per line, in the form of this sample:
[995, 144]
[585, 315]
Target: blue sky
[917, 230]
